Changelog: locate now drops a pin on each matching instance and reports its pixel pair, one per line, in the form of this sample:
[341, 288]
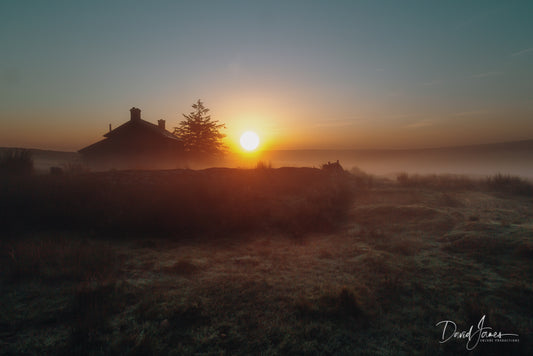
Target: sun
[249, 140]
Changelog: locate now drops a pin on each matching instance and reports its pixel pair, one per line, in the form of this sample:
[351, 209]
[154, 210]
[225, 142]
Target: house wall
[136, 150]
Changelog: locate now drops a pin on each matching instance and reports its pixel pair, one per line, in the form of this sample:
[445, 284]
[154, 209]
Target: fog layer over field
[508, 158]
[512, 158]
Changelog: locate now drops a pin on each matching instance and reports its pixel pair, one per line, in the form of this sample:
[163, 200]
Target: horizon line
[328, 149]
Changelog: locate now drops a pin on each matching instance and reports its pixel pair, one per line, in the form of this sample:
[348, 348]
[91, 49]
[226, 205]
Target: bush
[16, 162]
[333, 167]
[216, 200]
[506, 183]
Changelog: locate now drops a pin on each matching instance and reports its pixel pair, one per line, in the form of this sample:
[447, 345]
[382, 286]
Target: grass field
[265, 261]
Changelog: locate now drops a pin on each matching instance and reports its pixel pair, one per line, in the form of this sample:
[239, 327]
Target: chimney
[161, 124]
[135, 114]
[110, 128]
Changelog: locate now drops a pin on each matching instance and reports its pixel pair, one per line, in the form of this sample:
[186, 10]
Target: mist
[512, 158]
[507, 158]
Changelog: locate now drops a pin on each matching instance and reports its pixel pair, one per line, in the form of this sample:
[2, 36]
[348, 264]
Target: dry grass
[56, 259]
[510, 184]
[182, 268]
[501, 183]
[399, 260]
[437, 181]
[180, 201]
[341, 305]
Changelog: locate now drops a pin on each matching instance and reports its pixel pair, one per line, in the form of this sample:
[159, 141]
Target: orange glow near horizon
[280, 127]
[311, 84]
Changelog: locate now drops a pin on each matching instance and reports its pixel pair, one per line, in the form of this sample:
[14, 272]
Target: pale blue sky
[304, 74]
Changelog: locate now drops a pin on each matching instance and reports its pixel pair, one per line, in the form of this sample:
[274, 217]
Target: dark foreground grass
[180, 201]
[396, 262]
[55, 259]
[295, 299]
[57, 290]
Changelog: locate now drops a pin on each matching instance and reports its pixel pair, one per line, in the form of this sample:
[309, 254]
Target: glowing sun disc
[249, 140]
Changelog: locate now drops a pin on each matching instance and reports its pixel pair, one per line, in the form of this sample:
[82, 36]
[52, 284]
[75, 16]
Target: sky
[302, 74]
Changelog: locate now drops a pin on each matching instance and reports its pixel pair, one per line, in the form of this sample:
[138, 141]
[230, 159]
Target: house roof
[100, 145]
[134, 125]
[142, 125]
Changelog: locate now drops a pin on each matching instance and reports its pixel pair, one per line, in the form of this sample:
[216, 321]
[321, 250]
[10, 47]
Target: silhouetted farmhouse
[135, 144]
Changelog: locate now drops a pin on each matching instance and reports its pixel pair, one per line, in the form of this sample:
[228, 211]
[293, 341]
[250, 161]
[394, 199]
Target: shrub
[506, 183]
[16, 162]
[333, 167]
[179, 201]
